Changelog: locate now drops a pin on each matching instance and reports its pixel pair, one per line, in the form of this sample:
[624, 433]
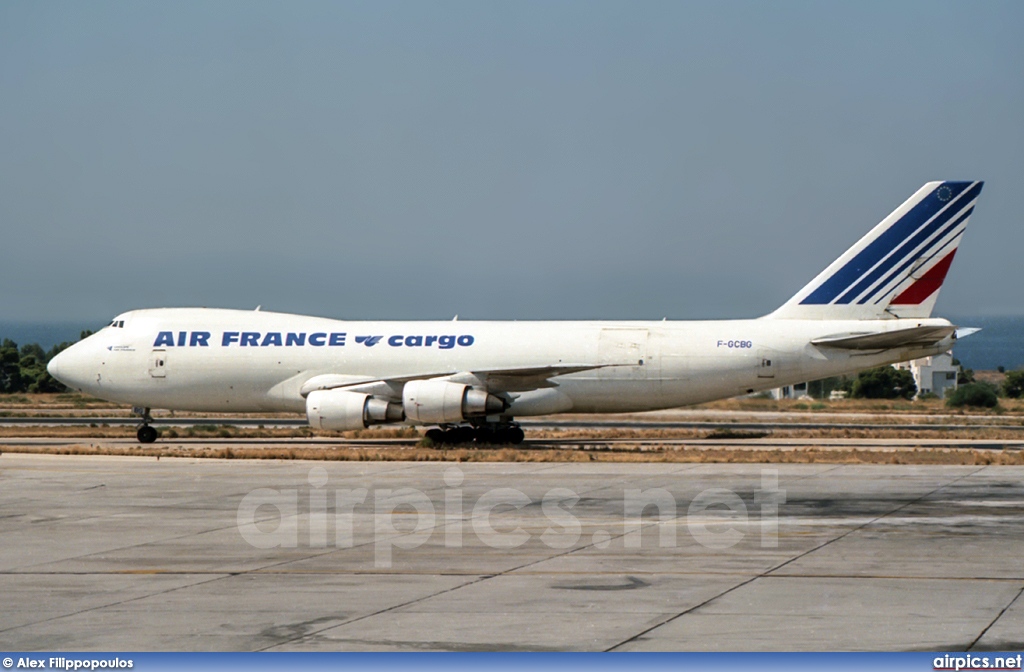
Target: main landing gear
[492, 433]
[145, 433]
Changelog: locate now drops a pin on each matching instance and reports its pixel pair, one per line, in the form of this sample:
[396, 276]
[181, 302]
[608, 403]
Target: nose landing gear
[145, 433]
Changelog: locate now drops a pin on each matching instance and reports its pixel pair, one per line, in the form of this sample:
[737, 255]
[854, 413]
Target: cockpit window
[117, 324]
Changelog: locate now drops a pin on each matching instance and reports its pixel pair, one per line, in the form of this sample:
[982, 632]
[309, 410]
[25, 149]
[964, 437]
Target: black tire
[146, 434]
[436, 435]
[457, 435]
[515, 435]
[485, 435]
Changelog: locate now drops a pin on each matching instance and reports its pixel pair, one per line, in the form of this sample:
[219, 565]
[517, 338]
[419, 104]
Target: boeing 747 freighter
[470, 380]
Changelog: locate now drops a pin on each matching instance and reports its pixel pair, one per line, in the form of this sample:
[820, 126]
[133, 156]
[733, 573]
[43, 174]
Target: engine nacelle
[428, 402]
[340, 410]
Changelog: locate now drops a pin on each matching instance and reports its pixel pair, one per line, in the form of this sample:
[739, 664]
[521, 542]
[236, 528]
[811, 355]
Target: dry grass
[921, 406]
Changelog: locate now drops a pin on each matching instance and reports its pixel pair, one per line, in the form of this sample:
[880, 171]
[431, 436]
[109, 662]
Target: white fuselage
[247, 361]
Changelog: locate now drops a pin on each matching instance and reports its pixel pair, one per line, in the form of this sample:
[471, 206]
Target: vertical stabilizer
[897, 269]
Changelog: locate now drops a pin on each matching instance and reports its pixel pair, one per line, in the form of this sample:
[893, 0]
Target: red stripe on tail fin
[927, 284]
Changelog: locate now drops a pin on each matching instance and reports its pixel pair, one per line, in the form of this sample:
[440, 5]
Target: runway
[121, 553]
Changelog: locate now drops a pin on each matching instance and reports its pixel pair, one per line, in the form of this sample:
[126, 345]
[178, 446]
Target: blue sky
[514, 160]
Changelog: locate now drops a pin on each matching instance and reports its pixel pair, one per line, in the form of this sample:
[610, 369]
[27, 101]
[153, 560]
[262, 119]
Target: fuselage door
[158, 364]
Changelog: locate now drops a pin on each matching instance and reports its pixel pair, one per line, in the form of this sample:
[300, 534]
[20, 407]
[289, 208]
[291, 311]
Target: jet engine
[428, 402]
[340, 410]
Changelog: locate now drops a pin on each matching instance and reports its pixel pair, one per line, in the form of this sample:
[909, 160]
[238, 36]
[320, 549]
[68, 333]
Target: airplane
[469, 381]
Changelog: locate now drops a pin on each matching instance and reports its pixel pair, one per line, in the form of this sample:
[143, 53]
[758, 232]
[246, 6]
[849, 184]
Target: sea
[999, 343]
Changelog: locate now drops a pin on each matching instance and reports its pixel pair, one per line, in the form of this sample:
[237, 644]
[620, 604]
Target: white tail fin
[896, 270]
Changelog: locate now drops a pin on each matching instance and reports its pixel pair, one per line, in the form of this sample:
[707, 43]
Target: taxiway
[121, 553]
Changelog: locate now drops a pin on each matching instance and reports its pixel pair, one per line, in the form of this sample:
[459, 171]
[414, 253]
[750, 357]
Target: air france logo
[258, 339]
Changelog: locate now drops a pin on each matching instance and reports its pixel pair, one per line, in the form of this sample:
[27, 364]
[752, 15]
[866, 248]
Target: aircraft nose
[67, 367]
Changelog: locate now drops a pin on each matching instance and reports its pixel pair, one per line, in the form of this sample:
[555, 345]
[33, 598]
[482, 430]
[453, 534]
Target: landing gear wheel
[435, 435]
[146, 434]
[499, 435]
[457, 435]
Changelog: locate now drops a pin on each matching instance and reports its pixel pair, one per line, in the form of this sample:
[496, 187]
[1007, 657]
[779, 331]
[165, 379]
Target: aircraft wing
[518, 379]
[525, 378]
[900, 338]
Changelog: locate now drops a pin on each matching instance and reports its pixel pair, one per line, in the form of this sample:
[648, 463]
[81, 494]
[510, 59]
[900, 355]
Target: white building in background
[934, 374]
[795, 391]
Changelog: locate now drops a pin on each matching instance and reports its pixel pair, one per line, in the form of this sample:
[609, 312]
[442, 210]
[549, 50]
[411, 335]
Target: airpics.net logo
[971, 663]
[404, 519]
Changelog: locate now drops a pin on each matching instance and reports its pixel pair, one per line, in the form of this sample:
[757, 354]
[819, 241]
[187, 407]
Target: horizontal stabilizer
[900, 338]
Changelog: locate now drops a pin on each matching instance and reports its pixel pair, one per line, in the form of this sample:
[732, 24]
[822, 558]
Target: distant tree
[23, 369]
[964, 376]
[1013, 384]
[10, 369]
[973, 394]
[1001, 369]
[885, 382]
[33, 350]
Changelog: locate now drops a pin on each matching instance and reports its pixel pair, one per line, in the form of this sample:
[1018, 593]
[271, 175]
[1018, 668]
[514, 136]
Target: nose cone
[68, 367]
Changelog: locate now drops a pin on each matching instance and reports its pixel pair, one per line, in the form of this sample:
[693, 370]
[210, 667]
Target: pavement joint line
[217, 576]
[112, 604]
[290, 640]
[791, 560]
[996, 619]
[466, 518]
[397, 468]
[131, 546]
[480, 578]
[795, 478]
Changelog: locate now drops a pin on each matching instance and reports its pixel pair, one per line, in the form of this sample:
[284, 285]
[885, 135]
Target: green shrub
[973, 394]
[1013, 385]
[885, 382]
